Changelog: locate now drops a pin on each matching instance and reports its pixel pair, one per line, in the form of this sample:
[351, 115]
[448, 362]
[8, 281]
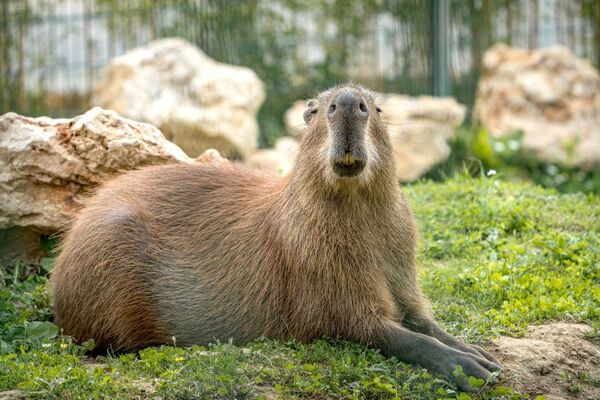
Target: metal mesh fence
[53, 51]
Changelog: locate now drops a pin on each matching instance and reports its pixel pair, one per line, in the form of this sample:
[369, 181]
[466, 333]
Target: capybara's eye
[377, 109]
[314, 111]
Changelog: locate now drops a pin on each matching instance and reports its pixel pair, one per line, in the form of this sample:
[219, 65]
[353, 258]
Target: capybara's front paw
[479, 351]
[457, 366]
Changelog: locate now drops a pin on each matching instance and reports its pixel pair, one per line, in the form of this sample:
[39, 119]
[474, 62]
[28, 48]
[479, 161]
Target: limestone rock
[46, 165]
[280, 159]
[212, 156]
[550, 95]
[420, 129]
[197, 102]
[293, 119]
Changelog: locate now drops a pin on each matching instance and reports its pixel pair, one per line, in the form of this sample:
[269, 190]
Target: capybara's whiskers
[400, 123]
[410, 140]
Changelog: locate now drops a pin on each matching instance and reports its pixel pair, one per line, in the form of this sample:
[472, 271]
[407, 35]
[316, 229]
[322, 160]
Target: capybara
[205, 252]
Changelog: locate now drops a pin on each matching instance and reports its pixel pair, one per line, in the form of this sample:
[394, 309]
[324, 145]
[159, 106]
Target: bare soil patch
[555, 360]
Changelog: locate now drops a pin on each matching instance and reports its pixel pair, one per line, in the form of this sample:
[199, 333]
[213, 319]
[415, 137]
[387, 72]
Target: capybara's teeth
[348, 159]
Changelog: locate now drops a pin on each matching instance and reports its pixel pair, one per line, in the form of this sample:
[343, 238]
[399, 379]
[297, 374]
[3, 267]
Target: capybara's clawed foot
[457, 366]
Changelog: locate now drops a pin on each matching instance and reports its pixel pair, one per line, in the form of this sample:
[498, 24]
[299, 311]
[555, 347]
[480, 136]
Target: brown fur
[201, 252]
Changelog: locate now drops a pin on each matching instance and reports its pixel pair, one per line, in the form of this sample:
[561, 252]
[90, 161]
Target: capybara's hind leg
[101, 282]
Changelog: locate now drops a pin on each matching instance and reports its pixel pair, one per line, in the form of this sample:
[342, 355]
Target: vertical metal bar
[440, 21]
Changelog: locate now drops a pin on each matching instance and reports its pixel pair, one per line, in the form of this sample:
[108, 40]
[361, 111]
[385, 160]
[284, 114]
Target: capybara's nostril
[348, 103]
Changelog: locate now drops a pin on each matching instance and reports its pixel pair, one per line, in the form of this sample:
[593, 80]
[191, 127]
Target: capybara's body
[209, 252]
[203, 252]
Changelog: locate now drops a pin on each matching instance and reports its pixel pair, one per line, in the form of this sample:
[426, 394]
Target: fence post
[440, 24]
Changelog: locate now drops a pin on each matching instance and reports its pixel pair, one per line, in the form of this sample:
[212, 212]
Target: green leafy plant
[475, 150]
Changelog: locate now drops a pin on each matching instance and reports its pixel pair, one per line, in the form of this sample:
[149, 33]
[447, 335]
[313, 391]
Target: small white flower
[491, 172]
[552, 169]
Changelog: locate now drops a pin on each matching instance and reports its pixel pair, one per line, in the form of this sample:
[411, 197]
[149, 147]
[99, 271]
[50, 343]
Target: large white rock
[280, 159]
[550, 95]
[293, 119]
[197, 102]
[47, 165]
[420, 129]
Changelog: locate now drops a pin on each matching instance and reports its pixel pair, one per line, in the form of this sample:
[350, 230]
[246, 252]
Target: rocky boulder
[420, 129]
[197, 102]
[47, 165]
[550, 95]
[280, 159]
[212, 156]
[293, 119]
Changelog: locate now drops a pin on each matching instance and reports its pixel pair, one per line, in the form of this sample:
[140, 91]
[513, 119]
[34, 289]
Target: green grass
[510, 254]
[495, 257]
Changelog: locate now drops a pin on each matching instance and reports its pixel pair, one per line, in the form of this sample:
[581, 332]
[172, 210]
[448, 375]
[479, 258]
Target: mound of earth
[555, 360]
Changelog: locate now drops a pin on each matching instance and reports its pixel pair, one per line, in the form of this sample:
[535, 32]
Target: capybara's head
[345, 137]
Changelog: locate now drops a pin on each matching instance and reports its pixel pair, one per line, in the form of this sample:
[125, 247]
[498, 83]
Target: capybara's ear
[312, 107]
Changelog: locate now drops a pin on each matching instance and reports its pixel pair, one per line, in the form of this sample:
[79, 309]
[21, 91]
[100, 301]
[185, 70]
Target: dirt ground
[555, 360]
